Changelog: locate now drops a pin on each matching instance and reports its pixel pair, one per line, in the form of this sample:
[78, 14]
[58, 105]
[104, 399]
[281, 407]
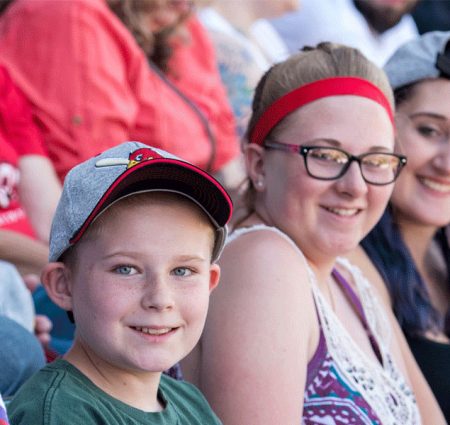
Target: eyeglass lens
[330, 163]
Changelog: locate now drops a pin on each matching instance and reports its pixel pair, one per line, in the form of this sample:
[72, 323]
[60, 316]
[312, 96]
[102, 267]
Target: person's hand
[32, 281]
[42, 328]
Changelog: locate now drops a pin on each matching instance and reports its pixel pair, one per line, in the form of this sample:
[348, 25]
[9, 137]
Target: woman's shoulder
[264, 257]
[261, 236]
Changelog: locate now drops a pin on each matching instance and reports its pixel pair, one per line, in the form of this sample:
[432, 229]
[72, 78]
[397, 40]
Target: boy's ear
[214, 276]
[56, 278]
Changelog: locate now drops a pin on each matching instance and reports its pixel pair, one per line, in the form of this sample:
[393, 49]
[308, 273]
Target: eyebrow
[429, 114]
[191, 258]
[131, 254]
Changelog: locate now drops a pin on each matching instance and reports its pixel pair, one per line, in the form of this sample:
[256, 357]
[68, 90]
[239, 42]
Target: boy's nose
[158, 296]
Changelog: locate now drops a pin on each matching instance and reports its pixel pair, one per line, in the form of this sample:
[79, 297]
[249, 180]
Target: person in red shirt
[87, 76]
[29, 189]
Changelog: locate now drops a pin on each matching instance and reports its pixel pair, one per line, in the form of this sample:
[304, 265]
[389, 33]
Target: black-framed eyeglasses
[328, 163]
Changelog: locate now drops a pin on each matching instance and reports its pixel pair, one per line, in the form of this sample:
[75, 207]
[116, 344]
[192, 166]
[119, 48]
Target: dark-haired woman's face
[422, 192]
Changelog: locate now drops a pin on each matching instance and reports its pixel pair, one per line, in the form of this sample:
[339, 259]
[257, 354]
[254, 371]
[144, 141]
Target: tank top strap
[359, 310]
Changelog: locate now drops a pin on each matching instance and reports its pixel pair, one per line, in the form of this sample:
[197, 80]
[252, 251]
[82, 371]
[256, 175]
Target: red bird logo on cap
[134, 158]
[139, 155]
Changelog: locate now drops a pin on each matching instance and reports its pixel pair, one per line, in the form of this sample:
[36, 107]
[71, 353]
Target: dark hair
[411, 303]
[4, 4]
[404, 93]
[130, 13]
[155, 46]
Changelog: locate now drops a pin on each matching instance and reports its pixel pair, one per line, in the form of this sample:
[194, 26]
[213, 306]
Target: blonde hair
[326, 60]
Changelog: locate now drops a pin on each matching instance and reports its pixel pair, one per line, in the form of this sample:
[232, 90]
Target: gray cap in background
[427, 56]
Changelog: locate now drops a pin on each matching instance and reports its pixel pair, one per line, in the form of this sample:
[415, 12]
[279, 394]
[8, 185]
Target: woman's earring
[259, 183]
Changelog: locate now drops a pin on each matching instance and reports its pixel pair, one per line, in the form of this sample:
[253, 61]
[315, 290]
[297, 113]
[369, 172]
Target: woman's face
[422, 192]
[326, 218]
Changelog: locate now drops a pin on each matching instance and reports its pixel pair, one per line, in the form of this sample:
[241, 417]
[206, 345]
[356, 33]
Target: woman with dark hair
[408, 250]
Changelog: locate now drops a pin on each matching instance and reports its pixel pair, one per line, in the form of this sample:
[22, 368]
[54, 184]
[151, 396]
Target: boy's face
[140, 287]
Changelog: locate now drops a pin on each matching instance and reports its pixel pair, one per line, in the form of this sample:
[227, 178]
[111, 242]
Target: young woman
[296, 334]
[408, 252]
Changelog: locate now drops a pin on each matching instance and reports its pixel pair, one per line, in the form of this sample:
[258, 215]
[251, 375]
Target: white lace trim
[383, 387]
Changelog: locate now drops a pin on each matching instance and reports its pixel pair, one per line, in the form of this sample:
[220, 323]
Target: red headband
[336, 86]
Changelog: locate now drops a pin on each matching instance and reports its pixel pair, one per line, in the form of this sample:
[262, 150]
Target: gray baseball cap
[130, 168]
[427, 56]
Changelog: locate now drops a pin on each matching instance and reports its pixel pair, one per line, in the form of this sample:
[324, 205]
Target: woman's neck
[321, 265]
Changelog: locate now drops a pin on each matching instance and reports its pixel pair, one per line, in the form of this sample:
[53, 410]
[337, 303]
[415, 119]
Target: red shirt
[18, 136]
[90, 86]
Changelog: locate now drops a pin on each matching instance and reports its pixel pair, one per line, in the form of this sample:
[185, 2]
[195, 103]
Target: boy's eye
[125, 270]
[182, 271]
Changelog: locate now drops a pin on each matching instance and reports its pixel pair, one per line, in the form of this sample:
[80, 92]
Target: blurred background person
[29, 188]
[375, 27]
[243, 57]
[22, 352]
[84, 67]
[432, 15]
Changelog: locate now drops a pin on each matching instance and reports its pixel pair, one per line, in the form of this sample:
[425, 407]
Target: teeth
[343, 211]
[439, 187]
[151, 331]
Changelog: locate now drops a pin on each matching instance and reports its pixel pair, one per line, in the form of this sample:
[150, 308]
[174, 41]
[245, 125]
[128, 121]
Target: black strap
[196, 109]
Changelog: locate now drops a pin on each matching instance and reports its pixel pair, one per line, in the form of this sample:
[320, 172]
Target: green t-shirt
[60, 394]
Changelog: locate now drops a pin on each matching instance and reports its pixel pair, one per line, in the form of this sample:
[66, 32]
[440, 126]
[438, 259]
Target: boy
[132, 257]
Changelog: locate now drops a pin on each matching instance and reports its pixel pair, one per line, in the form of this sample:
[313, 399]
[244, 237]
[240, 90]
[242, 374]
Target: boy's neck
[137, 389]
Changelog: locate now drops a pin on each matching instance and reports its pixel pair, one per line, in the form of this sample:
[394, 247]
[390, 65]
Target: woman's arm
[257, 340]
[28, 255]
[39, 192]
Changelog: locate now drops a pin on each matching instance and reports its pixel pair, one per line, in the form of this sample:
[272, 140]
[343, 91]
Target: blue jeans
[21, 355]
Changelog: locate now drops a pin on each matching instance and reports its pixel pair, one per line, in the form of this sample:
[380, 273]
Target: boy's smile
[140, 288]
